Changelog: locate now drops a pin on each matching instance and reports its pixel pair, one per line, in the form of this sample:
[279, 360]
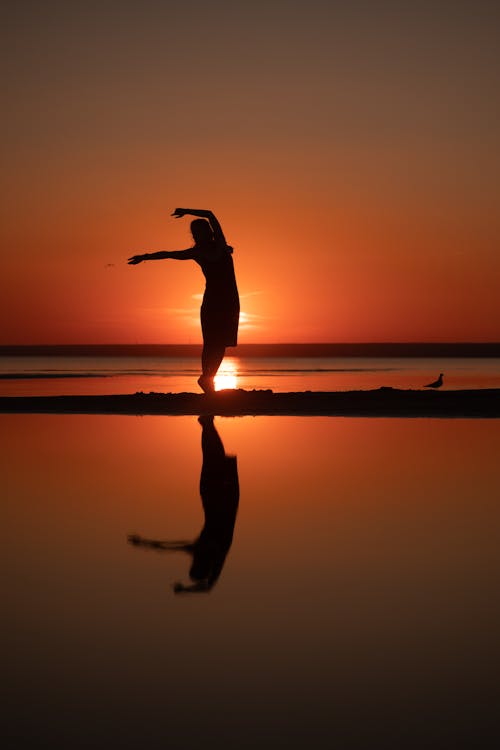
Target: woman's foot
[206, 383]
[206, 419]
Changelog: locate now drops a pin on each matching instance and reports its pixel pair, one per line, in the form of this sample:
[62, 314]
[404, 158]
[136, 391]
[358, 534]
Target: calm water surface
[357, 605]
[23, 376]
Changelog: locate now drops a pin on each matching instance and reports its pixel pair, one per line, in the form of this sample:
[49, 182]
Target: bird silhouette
[437, 383]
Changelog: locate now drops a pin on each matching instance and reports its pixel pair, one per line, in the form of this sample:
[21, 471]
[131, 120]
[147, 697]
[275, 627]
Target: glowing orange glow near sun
[227, 377]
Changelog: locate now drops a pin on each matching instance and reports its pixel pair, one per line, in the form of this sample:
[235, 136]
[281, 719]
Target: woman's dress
[220, 309]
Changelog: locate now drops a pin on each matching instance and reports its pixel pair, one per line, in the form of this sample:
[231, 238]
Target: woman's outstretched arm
[203, 214]
[188, 254]
[161, 544]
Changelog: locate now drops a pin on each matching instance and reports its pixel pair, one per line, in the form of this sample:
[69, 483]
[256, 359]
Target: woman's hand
[135, 259]
[180, 212]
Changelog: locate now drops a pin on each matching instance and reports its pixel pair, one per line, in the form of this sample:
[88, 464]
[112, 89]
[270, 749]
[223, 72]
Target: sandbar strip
[382, 402]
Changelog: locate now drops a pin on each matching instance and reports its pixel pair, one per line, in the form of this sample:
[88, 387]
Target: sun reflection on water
[227, 377]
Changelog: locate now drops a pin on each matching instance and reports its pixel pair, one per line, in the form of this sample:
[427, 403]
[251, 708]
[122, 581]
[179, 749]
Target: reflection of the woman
[219, 490]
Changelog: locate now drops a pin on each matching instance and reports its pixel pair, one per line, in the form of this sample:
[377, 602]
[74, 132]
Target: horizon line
[487, 349]
[390, 342]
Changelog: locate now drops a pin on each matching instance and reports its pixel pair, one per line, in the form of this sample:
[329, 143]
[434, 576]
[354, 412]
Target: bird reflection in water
[219, 490]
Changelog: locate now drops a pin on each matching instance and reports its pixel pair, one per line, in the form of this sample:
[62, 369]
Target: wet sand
[382, 402]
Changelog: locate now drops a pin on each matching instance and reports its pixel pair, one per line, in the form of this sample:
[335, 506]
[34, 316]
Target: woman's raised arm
[203, 214]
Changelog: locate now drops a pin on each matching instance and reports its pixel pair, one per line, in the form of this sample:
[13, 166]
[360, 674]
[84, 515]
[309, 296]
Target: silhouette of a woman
[220, 309]
[219, 490]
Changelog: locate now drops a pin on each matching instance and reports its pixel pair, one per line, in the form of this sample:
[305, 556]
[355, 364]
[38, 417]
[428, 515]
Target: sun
[227, 377]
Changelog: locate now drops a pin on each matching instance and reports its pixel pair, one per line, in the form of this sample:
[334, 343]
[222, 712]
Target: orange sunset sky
[350, 151]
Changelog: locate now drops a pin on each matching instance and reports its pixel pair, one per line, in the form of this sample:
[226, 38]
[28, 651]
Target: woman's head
[201, 231]
[201, 567]
[207, 561]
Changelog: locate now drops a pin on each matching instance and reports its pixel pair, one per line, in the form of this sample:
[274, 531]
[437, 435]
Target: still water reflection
[220, 493]
[357, 606]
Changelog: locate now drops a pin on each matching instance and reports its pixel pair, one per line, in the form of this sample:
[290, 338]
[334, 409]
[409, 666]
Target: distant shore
[382, 402]
[398, 350]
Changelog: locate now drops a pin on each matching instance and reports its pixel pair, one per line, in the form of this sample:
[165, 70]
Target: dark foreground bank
[383, 402]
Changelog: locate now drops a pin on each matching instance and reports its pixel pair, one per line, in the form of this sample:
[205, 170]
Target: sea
[355, 563]
[112, 370]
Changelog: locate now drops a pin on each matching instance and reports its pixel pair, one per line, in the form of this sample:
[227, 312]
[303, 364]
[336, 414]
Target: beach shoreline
[381, 402]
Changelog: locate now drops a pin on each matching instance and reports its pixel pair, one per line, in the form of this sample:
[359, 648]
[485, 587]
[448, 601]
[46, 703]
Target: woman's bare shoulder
[215, 253]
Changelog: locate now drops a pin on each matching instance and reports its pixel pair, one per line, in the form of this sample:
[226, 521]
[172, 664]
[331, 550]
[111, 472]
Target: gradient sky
[350, 151]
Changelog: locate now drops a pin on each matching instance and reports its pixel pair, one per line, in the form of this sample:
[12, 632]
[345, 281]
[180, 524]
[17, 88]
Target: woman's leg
[211, 358]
